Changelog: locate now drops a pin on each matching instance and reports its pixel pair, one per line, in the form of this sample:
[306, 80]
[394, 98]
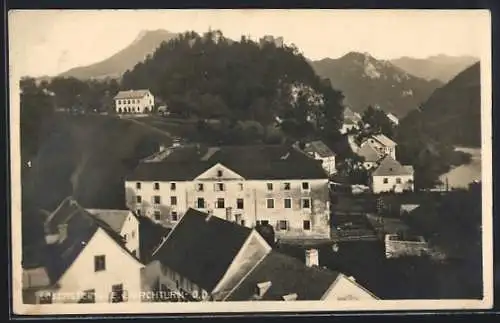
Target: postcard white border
[254, 307]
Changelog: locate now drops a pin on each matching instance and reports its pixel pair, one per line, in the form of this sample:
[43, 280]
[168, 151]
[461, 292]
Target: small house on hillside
[370, 155]
[382, 144]
[393, 119]
[320, 151]
[134, 102]
[351, 121]
[391, 176]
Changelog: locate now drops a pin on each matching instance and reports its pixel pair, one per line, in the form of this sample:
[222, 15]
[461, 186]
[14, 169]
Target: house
[320, 151]
[351, 121]
[370, 155]
[85, 260]
[224, 261]
[391, 176]
[123, 222]
[383, 144]
[393, 119]
[134, 102]
[273, 184]
[163, 110]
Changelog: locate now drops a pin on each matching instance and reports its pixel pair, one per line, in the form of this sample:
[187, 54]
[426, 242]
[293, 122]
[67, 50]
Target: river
[463, 175]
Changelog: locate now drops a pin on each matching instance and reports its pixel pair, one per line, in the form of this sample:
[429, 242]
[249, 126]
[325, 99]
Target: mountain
[113, 67]
[366, 81]
[439, 67]
[452, 115]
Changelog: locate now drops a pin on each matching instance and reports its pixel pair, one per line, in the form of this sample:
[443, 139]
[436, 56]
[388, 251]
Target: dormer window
[290, 297]
[262, 288]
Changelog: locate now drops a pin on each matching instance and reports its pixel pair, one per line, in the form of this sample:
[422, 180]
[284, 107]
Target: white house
[274, 184]
[393, 118]
[134, 102]
[391, 176]
[85, 262]
[351, 121]
[383, 144]
[320, 151]
[224, 261]
[370, 155]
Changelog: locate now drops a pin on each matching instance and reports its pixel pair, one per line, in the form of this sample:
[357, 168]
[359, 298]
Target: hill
[366, 81]
[127, 58]
[439, 67]
[452, 115]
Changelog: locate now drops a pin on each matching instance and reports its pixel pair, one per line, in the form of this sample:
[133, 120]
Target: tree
[378, 121]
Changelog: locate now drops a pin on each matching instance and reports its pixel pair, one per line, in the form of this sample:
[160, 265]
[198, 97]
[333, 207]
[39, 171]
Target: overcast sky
[50, 42]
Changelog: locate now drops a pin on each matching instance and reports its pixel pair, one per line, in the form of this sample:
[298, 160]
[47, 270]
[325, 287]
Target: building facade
[320, 151]
[391, 176]
[295, 204]
[134, 102]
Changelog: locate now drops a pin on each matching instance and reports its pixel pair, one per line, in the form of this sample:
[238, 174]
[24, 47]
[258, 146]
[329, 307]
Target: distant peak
[357, 55]
[143, 33]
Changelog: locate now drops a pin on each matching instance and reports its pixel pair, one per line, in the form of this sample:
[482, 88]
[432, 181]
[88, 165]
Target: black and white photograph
[235, 161]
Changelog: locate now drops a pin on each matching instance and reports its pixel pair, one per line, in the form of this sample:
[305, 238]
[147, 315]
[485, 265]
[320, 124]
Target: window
[219, 173]
[125, 237]
[269, 186]
[220, 203]
[200, 203]
[138, 211]
[156, 199]
[138, 185]
[173, 186]
[200, 187]
[398, 180]
[305, 186]
[262, 222]
[306, 225]
[386, 180]
[240, 185]
[173, 200]
[270, 203]
[282, 225]
[45, 298]
[156, 186]
[99, 263]
[239, 203]
[117, 293]
[133, 234]
[219, 187]
[288, 203]
[88, 296]
[174, 216]
[243, 223]
[138, 199]
[287, 186]
[306, 203]
[157, 215]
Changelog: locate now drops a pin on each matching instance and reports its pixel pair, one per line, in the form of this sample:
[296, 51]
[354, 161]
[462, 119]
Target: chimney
[290, 297]
[262, 288]
[63, 232]
[312, 258]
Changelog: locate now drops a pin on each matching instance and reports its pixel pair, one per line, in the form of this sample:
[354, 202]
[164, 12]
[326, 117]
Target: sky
[49, 42]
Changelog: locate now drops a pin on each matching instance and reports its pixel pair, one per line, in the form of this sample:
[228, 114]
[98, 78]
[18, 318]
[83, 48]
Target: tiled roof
[287, 276]
[250, 162]
[113, 218]
[131, 94]
[320, 148]
[369, 153]
[202, 250]
[391, 167]
[384, 140]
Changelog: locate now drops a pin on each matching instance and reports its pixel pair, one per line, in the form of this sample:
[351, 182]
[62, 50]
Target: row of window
[220, 187]
[398, 180]
[132, 101]
[283, 225]
[240, 203]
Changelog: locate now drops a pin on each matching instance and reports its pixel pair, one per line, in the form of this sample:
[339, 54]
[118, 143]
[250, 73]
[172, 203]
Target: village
[243, 223]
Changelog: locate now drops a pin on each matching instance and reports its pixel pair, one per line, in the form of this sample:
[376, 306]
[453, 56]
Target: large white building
[134, 102]
[277, 185]
[85, 261]
[210, 259]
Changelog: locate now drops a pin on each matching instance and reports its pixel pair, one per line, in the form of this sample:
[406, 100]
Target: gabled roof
[131, 94]
[369, 153]
[391, 167]
[250, 162]
[287, 276]
[81, 226]
[351, 115]
[201, 249]
[113, 218]
[320, 148]
[384, 140]
[150, 237]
